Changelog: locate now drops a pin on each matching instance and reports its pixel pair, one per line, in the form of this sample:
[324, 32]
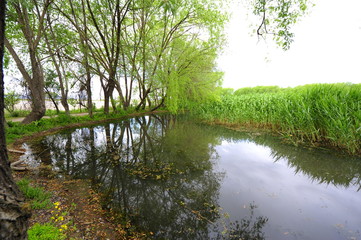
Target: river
[174, 178]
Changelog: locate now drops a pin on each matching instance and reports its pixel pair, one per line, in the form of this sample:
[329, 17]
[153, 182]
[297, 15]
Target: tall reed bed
[317, 113]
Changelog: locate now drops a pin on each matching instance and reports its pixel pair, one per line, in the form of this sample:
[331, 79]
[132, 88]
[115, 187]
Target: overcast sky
[326, 48]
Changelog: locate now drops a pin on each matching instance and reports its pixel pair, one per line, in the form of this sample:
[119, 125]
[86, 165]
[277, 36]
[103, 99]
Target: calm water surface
[178, 179]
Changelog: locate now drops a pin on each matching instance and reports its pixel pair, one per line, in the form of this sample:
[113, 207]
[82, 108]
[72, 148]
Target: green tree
[192, 75]
[166, 29]
[26, 21]
[278, 17]
[11, 99]
[106, 19]
[59, 45]
[75, 12]
[99, 24]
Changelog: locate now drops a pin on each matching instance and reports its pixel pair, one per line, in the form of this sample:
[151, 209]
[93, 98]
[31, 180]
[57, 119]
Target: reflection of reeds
[320, 165]
[319, 113]
[337, 171]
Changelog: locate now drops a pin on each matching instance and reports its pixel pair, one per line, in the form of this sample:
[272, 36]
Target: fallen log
[16, 151]
[17, 162]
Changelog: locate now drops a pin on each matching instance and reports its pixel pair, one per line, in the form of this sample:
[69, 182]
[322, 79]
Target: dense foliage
[143, 53]
[319, 113]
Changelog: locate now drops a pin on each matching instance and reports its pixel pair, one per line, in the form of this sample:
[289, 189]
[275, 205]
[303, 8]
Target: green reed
[317, 113]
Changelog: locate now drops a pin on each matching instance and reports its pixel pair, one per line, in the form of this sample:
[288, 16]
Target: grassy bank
[329, 114]
[16, 130]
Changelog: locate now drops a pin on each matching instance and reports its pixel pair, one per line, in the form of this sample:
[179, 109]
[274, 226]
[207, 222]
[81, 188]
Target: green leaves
[163, 51]
[10, 100]
[169, 6]
[277, 17]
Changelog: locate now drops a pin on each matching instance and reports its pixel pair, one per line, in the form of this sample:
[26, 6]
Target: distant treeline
[327, 114]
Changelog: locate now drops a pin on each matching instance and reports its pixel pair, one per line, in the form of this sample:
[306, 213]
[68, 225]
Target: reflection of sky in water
[29, 158]
[297, 207]
[257, 170]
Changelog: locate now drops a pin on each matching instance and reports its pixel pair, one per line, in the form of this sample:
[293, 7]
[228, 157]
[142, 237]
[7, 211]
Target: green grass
[37, 197]
[17, 130]
[45, 231]
[319, 113]
[52, 112]
[40, 199]
[16, 113]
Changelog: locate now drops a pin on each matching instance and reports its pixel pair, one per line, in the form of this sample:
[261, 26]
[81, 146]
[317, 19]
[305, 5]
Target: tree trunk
[143, 100]
[108, 93]
[53, 100]
[35, 80]
[84, 41]
[37, 96]
[121, 96]
[114, 104]
[64, 102]
[160, 105]
[35, 84]
[13, 219]
[89, 93]
[106, 102]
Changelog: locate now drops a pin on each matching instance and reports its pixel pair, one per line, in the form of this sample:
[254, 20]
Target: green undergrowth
[36, 196]
[328, 114]
[45, 231]
[16, 113]
[38, 199]
[15, 130]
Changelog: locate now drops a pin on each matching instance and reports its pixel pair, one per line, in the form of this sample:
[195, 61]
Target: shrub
[10, 100]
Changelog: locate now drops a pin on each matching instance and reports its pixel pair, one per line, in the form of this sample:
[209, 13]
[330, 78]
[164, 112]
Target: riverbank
[327, 115]
[81, 214]
[17, 133]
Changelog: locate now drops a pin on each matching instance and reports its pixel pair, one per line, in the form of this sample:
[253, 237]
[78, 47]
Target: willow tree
[152, 30]
[26, 20]
[160, 23]
[13, 219]
[185, 69]
[190, 75]
[278, 17]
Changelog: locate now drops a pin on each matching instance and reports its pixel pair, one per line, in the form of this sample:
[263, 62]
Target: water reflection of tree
[157, 173]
